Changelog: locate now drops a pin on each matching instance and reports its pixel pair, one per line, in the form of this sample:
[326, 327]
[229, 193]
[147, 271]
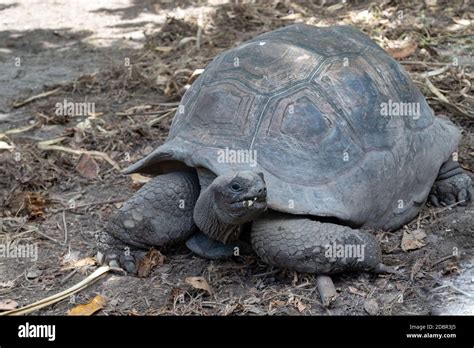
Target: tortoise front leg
[453, 185]
[309, 246]
[160, 213]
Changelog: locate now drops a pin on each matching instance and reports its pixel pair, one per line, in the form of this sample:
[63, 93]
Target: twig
[85, 205]
[442, 209]
[454, 288]
[47, 237]
[35, 97]
[158, 119]
[266, 273]
[440, 96]
[47, 145]
[65, 228]
[199, 31]
[416, 62]
[69, 276]
[61, 295]
[445, 258]
[18, 130]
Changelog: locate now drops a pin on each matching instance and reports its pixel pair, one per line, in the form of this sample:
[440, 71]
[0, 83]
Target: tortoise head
[230, 200]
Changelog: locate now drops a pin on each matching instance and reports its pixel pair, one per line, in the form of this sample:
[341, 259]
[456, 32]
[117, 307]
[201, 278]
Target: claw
[381, 268]
[100, 258]
[114, 264]
[130, 267]
[434, 201]
[462, 197]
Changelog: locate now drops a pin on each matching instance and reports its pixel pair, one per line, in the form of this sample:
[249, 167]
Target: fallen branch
[47, 145]
[61, 295]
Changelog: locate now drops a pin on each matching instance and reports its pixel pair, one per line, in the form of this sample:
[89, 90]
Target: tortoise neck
[207, 220]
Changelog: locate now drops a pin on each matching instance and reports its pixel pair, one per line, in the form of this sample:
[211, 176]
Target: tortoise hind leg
[452, 186]
[158, 214]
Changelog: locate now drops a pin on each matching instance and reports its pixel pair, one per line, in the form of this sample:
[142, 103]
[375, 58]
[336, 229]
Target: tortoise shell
[309, 103]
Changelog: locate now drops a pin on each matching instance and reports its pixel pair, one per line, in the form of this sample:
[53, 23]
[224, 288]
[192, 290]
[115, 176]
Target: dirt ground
[132, 60]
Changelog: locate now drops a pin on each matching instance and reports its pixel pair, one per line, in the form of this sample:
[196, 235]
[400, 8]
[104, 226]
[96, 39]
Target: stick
[65, 228]
[446, 258]
[326, 289]
[18, 130]
[454, 288]
[48, 145]
[85, 205]
[415, 62]
[38, 96]
[440, 210]
[158, 119]
[47, 237]
[61, 295]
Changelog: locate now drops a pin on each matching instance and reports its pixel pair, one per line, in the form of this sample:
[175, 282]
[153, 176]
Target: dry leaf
[371, 306]
[356, 291]
[139, 179]
[8, 305]
[412, 240]
[335, 7]
[90, 308]
[199, 283]
[73, 264]
[277, 304]
[8, 284]
[299, 305]
[35, 203]
[402, 50]
[87, 167]
[417, 267]
[292, 16]
[451, 268]
[165, 49]
[151, 260]
[162, 80]
[5, 146]
[461, 21]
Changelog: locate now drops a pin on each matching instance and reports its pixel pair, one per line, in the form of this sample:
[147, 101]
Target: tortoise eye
[235, 186]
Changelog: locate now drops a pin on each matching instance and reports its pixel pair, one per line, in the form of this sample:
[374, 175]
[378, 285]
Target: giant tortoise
[305, 136]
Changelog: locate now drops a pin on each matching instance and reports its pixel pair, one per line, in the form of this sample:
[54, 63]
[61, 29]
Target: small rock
[33, 273]
[371, 306]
